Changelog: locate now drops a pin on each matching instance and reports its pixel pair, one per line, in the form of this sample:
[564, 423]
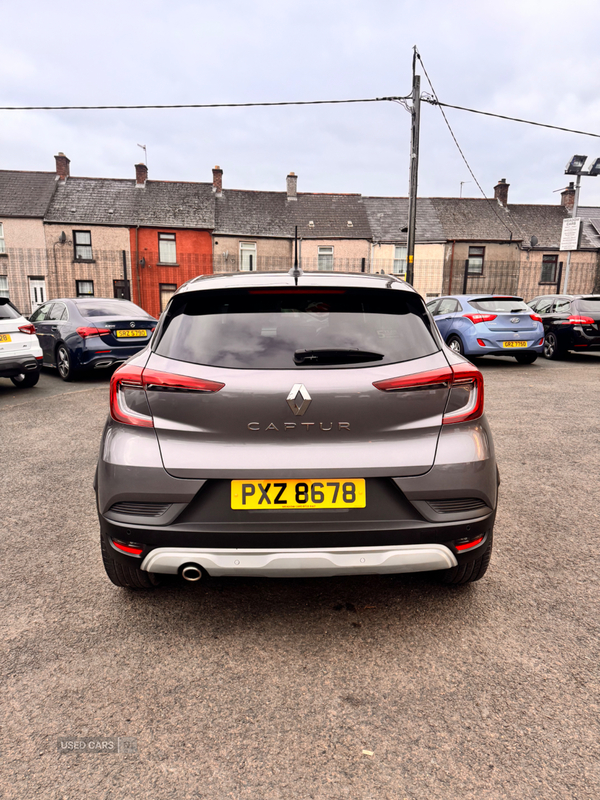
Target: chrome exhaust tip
[102, 364]
[191, 572]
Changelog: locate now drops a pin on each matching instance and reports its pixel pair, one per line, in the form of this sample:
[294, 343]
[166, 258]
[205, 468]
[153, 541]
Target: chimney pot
[292, 185]
[141, 176]
[217, 186]
[567, 197]
[62, 167]
[501, 192]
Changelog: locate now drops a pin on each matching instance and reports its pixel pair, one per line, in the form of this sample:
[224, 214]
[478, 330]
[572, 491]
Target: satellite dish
[533, 241]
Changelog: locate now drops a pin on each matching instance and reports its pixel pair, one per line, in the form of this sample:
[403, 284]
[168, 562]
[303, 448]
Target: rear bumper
[306, 563]
[17, 365]
[99, 357]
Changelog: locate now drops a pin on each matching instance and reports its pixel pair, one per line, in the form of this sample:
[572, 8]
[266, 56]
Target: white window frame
[2, 241]
[400, 256]
[166, 292]
[325, 258]
[4, 286]
[248, 250]
[167, 248]
[79, 285]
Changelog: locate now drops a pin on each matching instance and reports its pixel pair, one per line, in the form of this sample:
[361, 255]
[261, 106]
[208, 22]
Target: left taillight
[465, 382]
[30, 329]
[137, 379]
[85, 332]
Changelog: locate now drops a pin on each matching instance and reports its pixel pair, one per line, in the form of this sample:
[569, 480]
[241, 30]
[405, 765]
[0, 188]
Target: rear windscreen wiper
[332, 355]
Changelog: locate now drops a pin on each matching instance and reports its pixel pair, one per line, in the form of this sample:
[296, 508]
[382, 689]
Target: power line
[436, 102]
[202, 105]
[464, 158]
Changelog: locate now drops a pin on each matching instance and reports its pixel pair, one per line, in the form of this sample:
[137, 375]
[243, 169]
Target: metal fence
[31, 276]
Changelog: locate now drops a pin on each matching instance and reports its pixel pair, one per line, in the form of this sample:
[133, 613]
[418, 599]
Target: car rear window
[7, 310]
[589, 304]
[500, 305]
[295, 328]
[110, 308]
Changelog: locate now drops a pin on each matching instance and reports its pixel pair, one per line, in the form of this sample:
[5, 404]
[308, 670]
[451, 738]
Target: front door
[37, 292]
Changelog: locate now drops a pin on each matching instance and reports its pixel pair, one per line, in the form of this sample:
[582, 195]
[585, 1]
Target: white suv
[20, 352]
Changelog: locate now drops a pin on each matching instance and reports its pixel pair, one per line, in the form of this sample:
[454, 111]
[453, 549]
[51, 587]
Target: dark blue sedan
[90, 333]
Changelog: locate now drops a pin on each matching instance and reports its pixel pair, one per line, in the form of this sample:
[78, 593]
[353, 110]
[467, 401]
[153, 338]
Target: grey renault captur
[296, 424]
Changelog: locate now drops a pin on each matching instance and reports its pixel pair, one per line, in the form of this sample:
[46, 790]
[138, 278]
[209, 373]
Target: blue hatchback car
[90, 333]
[489, 325]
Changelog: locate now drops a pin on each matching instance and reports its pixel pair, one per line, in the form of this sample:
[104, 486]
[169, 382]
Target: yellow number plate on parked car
[514, 344]
[275, 494]
[5, 337]
[130, 334]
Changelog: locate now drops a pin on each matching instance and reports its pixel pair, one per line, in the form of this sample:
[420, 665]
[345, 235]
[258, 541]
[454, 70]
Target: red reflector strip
[469, 545]
[126, 548]
[481, 343]
[101, 351]
[39, 358]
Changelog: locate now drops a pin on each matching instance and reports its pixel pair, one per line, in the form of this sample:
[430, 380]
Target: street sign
[571, 231]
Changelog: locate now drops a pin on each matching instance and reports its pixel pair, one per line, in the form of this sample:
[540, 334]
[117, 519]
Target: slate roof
[106, 201]
[25, 194]
[469, 219]
[388, 215]
[591, 223]
[271, 214]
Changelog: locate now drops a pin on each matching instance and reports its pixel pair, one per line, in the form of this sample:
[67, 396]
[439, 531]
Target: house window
[167, 251]
[82, 241]
[85, 288]
[167, 290]
[4, 286]
[400, 258]
[2, 242]
[325, 258]
[549, 269]
[476, 255]
[248, 256]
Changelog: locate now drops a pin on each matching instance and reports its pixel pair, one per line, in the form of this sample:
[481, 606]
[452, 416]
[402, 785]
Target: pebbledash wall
[154, 282]
[25, 257]
[103, 269]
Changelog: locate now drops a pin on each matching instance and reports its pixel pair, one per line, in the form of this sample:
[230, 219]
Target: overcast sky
[524, 58]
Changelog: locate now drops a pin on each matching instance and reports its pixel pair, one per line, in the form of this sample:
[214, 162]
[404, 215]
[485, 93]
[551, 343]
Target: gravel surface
[359, 688]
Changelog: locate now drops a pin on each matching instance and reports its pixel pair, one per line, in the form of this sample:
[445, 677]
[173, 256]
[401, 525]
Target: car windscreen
[591, 305]
[109, 308]
[500, 305]
[7, 310]
[292, 328]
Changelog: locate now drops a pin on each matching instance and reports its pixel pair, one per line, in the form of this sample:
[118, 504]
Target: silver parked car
[296, 424]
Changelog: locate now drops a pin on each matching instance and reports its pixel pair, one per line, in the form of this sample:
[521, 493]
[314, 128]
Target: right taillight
[86, 331]
[579, 320]
[465, 381]
[130, 378]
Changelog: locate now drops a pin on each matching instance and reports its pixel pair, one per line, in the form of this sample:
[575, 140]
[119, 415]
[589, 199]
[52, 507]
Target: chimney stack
[501, 192]
[567, 197]
[217, 186]
[141, 176]
[292, 184]
[62, 167]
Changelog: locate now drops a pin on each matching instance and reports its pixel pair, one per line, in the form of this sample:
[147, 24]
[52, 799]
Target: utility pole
[414, 172]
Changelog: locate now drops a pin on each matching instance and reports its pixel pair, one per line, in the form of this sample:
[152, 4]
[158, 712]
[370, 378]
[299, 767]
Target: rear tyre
[526, 358]
[471, 571]
[125, 575]
[552, 349]
[454, 343]
[26, 379]
[63, 363]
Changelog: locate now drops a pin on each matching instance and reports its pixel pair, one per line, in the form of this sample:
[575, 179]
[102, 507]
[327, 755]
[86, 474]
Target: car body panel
[23, 352]
[555, 311]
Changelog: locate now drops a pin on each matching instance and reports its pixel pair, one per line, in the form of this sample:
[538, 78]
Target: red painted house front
[166, 258]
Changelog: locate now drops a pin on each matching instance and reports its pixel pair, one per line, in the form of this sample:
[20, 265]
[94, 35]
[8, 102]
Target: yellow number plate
[514, 344]
[131, 334]
[5, 337]
[274, 494]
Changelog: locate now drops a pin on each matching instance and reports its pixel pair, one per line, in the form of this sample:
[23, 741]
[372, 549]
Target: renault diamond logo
[514, 320]
[298, 399]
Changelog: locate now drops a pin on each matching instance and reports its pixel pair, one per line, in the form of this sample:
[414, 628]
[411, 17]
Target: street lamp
[576, 166]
